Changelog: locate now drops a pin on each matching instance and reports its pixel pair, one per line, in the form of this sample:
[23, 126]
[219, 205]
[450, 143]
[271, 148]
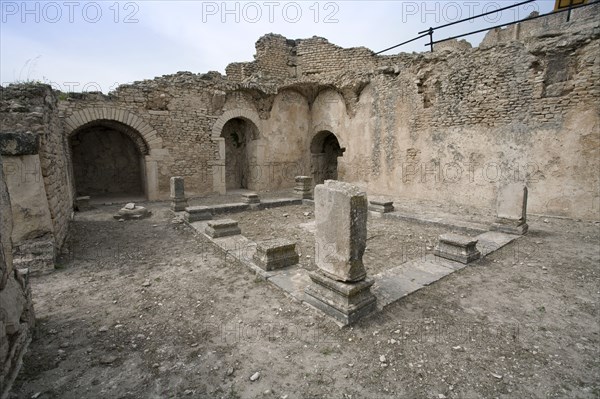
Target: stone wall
[443, 126]
[17, 318]
[36, 171]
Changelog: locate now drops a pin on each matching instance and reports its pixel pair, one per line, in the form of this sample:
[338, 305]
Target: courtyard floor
[148, 309]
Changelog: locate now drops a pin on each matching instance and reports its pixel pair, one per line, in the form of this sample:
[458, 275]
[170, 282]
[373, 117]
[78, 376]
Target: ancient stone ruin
[510, 126]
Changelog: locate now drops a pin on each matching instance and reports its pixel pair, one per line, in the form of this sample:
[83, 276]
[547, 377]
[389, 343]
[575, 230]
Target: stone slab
[400, 281]
[197, 213]
[510, 227]
[441, 221]
[512, 202]
[492, 241]
[292, 281]
[392, 285]
[226, 208]
[279, 202]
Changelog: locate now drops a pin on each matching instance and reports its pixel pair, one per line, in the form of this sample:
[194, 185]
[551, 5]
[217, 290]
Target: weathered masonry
[453, 125]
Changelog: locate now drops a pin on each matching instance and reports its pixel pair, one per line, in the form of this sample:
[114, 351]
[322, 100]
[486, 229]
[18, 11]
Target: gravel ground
[147, 309]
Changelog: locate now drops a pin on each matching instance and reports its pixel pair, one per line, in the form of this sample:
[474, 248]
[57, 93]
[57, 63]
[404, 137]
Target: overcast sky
[96, 45]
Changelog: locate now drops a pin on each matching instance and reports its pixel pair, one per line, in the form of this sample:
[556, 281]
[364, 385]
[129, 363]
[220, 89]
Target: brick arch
[133, 123]
[144, 136]
[128, 131]
[235, 113]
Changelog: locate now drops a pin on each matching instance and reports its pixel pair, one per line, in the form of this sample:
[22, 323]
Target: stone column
[303, 188]
[178, 201]
[511, 208]
[340, 287]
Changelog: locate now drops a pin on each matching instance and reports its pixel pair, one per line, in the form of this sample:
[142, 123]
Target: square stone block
[222, 228]
[345, 302]
[82, 203]
[381, 206]
[197, 213]
[178, 205]
[276, 254]
[250, 198]
[457, 247]
[177, 188]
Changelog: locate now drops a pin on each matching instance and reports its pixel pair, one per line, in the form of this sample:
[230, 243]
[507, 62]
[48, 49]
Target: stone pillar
[303, 188]
[17, 318]
[178, 201]
[511, 208]
[340, 287]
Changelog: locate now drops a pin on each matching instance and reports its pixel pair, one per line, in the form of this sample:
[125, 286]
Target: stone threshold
[241, 207]
[442, 221]
[390, 285]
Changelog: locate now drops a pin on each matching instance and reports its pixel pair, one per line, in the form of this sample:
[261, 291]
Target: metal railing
[429, 32]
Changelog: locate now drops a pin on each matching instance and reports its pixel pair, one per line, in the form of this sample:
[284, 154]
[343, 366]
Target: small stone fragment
[255, 376]
[108, 359]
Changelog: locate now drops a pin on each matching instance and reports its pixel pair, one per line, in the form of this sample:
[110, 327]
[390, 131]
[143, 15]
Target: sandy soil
[146, 309]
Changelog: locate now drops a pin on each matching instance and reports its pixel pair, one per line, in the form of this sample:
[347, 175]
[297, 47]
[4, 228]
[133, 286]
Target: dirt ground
[389, 242]
[147, 309]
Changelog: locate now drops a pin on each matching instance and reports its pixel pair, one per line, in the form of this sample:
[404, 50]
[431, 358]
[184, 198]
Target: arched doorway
[108, 160]
[238, 133]
[324, 152]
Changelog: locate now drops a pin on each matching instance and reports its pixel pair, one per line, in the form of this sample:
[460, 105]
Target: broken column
[511, 208]
[340, 287]
[178, 201]
[303, 188]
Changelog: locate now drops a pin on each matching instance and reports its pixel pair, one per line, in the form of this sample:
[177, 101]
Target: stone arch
[88, 115]
[220, 163]
[145, 138]
[325, 149]
[234, 113]
[128, 131]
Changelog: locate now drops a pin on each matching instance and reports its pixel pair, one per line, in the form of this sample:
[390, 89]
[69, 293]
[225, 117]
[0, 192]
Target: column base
[345, 302]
